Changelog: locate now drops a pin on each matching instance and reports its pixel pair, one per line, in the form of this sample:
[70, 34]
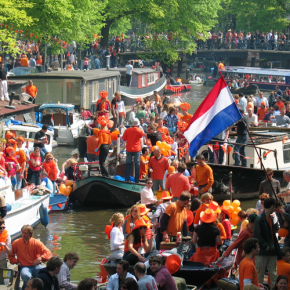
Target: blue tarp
[14, 122]
[118, 177]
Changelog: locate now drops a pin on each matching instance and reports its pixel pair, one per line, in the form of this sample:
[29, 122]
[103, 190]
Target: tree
[13, 19]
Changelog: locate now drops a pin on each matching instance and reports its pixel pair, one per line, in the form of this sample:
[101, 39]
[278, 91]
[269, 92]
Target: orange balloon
[231, 209]
[164, 152]
[234, 215]
[158, 143]
[69, 188]
[227, 203]
[236, 203]
[283, 232]
[238, 209]
[234, 221]
[189, 217]
[68, 183]
[62, 188]
[66, 192]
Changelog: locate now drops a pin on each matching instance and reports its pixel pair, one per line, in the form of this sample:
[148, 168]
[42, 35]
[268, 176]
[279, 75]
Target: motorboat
[28, 131]
[197, 80]
[66, 122]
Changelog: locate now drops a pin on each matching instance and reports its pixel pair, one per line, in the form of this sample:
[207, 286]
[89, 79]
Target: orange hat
[143, 209]
[208, 216]
[9, 135]
[214, 206]
[103, 94]
[185, 106]
[96, 132]
[225, 209]
[263, 103]
[11, 141]
[20, 138]
[165, 195]
[173, 263]
[103, 120]
[189, 217]
[146, 219]
[10, 149]
[171, 169]
[139, 224]
[182, 126]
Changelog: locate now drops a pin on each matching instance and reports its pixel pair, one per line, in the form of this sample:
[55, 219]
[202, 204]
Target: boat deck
[18, 108]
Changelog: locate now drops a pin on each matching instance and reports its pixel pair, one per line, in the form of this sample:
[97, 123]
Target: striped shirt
[64, 278]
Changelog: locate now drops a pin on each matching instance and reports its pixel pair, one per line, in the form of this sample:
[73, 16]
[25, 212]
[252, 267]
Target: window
[114, 85]
[95, 91]
[151, 78]
[143, 80]
[106, 85]
[286, 153]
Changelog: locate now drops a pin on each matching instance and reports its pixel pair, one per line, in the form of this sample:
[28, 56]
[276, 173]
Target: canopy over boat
[67, 107]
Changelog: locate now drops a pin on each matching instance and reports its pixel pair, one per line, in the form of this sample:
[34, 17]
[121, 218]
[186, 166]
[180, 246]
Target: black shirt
[69, 173]
[242, 126]
[113, 103]
[207, 234]
[3, 73]
[39, 136]
[154, 137]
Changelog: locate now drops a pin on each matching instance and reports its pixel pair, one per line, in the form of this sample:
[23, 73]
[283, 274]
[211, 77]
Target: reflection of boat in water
[273, 147]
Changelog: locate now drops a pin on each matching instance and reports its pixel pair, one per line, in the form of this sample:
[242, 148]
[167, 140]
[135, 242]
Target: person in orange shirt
[133, 137]
[30, 254]
[24, 60]
[221, 66]
[39, 60]
[92, 144]
[21, 157]
[206, 199]
[158, 102]
[283, 265]
[32, 91]
[247, 269]
[104, 144]
[144, 163]
[262, 111]
[51, 168]
[279, 103]
[162, 129]
[186, 117]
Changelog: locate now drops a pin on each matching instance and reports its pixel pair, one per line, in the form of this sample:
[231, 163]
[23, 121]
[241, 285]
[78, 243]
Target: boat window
[151, 78]
[95, 91]
[286, 153]
[143, 80]
[31, 135]
[20, 133]
[73, 91]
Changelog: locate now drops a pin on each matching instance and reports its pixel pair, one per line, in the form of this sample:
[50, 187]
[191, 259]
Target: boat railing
[251, 146]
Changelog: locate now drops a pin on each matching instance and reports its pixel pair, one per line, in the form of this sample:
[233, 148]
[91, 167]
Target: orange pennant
[59, 205]
[246, 157]
[210, 147]
[224, 147]
[229, 149]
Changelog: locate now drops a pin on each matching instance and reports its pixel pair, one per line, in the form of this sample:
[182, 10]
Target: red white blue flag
[217, 112]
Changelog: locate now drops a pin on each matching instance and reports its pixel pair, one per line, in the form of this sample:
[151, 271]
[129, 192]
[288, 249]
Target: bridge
[234, 57]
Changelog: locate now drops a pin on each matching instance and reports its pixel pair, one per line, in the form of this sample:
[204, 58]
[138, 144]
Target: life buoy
[43, 215]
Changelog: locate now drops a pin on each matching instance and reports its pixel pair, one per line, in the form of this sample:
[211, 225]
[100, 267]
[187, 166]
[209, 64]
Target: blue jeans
[27, 272]
[136, 156]
[43, 151]
[242, 139]
[220, 152]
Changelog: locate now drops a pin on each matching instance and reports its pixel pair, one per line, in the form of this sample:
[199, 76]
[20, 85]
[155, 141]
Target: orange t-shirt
[24, 61]
[92, 144]
[283, 268]
[144, 167]
[21, 157]
[222, 231]
[163, 130]
[250, 105]
[204, 176]
[39, 61]
[31, 90]
[280, 105]
[159, 167]
[178, 183]
[51, 169]
[177, 217]
[132, 136]
[104, 137]
[248, 271]
[261, 113]
[186, 118]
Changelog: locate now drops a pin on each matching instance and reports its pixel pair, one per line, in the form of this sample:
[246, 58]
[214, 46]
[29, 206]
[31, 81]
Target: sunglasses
[149, 182]
[49, 158]
[2, 228]
[269, 174]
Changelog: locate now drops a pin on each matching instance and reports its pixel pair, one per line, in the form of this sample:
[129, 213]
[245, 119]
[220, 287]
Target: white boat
[25, 208]
[28, 131]
[67, 124]
[196, 82]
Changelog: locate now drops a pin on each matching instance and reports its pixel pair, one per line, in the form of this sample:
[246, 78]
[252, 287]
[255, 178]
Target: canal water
[82, 230]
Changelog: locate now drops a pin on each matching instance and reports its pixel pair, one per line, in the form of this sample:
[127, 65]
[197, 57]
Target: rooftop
[19, 108]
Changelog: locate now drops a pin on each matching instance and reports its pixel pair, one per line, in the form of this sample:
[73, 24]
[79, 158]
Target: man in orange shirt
[247, 269]
[158, 164]
[133, 137]
[92, 145]
[204, 176]
[186, 117]
[262, 111]
[32, 91]
[177, 182]
[162, 129]
[174, 219]
[283, 265]
[24, 60]
[30, 254]
[144, 163]
[279, 103]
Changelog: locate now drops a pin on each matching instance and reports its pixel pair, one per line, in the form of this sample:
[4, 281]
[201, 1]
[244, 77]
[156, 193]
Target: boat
[249, 90]
[66, 122]
[274, 147]
[28, 131]
[25, 207]
[171, 89]
[58, 202]
[192, 81]
[264, 78]
[194, 273]
[143, 84]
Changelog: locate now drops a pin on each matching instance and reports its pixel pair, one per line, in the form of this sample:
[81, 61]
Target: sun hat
[214, 206]
[165, 195]
[173, 263]
[143, 209]
[136, 122]
[225, 210]
[20, 138]
[208, 216]
[171, 169]
[139, 224]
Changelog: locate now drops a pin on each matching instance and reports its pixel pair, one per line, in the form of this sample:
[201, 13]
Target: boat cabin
[78, 87]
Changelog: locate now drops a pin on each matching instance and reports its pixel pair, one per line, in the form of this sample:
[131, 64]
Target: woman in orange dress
[51, 168]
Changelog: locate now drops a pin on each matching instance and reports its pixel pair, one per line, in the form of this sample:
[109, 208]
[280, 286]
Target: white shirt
[253, 119]
[116, 238]
[260, 100]
[147, 196]
[113, 283]
[129, 70]
[120, 107]
[243, 103]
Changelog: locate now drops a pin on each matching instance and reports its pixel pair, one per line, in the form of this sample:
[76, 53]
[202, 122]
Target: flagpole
[277, 198]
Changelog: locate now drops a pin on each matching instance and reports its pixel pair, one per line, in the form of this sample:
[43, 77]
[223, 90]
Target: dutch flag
[217, 112]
